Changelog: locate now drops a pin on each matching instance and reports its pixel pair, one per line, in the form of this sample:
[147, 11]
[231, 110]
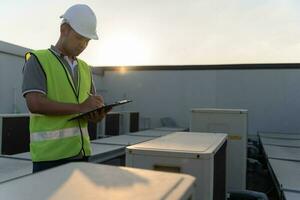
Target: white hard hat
[82, 19]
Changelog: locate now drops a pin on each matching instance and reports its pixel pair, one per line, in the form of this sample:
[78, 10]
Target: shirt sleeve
[34, 78]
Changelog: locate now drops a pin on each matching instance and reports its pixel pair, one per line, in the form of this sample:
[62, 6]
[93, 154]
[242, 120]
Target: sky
[166, 32]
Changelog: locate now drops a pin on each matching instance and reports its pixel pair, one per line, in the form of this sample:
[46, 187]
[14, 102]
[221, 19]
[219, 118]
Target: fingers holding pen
[92, 102]
[98, 99]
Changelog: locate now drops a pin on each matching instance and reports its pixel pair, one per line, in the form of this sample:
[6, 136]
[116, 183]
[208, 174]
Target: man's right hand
[92, 102]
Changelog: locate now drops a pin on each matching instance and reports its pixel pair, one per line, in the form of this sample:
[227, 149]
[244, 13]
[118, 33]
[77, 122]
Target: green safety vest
[54, 137]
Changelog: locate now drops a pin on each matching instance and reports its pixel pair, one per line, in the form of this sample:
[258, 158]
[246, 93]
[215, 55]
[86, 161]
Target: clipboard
[106, 108]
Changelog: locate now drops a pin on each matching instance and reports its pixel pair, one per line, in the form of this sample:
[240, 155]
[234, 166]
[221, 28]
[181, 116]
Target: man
[57, 86]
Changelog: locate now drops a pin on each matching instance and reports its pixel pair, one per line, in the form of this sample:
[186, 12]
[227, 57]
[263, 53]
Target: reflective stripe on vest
[59, 134]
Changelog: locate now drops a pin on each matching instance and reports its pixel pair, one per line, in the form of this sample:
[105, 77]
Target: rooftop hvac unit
[130, 122]
[201, 155]
[234, 123]
[14, 133]
[82, 181]
[118, 123]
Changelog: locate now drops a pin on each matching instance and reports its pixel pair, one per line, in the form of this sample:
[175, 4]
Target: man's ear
[64, 29]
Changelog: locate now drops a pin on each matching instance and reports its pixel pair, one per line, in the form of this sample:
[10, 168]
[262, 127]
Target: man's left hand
[96, 116]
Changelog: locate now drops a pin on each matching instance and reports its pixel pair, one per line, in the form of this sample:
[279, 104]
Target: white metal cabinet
[234, 123]
[201, 155]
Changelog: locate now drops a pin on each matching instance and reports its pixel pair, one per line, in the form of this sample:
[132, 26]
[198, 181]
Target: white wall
[158, 94]
[271, 96]
[11, 65]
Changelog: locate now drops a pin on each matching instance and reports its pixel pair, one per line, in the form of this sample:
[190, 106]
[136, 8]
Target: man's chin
[77, 53]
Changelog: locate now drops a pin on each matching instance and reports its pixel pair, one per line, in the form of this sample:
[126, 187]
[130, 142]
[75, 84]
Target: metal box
[93, 181]
[202, 155]
[234, 123]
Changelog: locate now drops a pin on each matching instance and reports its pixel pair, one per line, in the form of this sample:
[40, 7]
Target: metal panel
[92, 130]
[13, 168]
[151, 133]
[105, 152]
[280, 142]
[220, 173]
[288, 195]
[280, 135]
[283, 153]
[100, 153]
[1, 133]
[134, 122]
[124, 140]
[220, 111]
[172, 129]
[21, 156]
[183, 143]
[287, 174]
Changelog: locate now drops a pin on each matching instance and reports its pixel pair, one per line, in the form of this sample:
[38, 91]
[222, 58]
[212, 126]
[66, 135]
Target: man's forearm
[40, 104]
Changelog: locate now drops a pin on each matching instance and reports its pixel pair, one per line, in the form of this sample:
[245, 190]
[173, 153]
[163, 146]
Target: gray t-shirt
[34, 78]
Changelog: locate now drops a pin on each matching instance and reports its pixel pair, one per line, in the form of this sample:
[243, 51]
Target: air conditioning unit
[82, 181]
[130, 122]
[14, 133]
[118, 123]
[234, 123]
[202, 155]
[110, 125]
